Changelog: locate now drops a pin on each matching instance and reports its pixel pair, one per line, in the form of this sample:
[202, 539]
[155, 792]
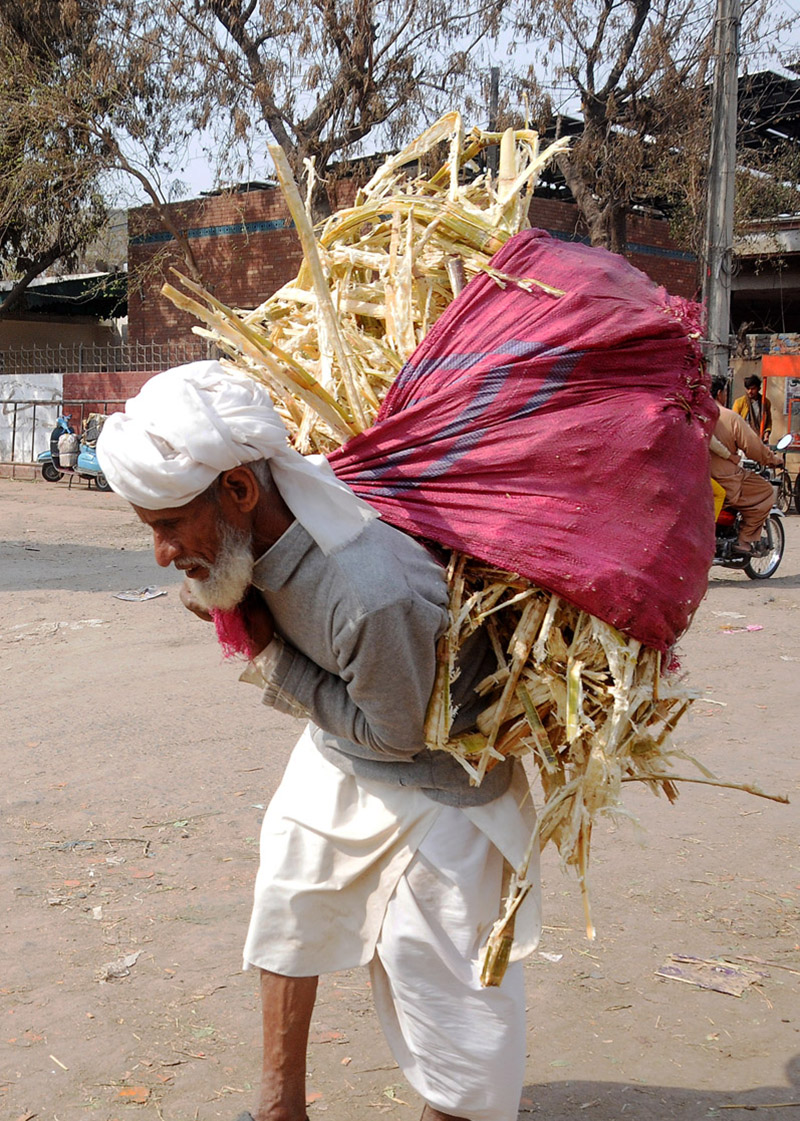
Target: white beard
[230, 576]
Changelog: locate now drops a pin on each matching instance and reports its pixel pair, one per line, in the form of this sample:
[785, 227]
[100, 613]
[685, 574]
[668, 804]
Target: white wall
[24, 388]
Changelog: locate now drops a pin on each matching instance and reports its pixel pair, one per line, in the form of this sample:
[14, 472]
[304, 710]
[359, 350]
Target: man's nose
[165, 550]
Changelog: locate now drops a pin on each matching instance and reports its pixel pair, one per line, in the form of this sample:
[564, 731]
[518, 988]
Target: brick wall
[103, 385]
[650, 247]
[245, 245]
[240, 241]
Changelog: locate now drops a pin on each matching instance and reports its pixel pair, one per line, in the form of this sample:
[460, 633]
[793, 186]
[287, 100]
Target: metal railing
[25, 426]
[91, 357]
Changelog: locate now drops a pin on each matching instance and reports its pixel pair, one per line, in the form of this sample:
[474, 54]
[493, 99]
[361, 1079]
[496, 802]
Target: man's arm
[379, 698]
[716, 447]
[751, 444]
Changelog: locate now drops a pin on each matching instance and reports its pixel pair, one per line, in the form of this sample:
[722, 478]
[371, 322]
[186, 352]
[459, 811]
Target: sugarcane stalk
[583, 873]
[291, 376]
[746, 787]
[328, 317]
[497, 951]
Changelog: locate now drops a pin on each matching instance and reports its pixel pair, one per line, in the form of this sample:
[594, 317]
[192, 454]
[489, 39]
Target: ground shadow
[792, 581]
[29, 566]
[619, 1101]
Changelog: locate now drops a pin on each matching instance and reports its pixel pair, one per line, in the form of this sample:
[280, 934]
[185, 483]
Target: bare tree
[637, 72]
[322, 76]
[85, 91]
[124, 85]
[49, 201]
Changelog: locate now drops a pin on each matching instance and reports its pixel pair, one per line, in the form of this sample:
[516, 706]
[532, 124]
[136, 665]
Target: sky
[196, 171]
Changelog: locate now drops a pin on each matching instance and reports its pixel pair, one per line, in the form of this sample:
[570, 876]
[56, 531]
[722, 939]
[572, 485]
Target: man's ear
[240, 487]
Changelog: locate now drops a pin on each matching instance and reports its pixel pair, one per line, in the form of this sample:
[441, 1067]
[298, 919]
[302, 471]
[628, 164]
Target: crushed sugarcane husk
[592, 707]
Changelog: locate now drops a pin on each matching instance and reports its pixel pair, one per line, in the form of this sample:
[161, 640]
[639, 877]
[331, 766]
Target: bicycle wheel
[785, 496]
[797, 493]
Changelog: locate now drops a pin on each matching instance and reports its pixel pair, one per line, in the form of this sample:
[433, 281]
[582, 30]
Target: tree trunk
[617, 226]
[320, 203]
[588, 206]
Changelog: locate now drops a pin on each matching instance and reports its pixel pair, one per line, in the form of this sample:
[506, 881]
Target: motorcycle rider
[747, 492]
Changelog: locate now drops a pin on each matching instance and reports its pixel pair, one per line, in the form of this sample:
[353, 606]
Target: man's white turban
[189, 424]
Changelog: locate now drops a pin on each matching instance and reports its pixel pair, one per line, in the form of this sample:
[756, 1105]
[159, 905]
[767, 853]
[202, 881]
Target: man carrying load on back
[374, 850]
[746, 491]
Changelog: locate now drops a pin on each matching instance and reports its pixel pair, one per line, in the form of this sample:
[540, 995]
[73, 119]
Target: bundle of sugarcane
[376, 278]
[592, 707]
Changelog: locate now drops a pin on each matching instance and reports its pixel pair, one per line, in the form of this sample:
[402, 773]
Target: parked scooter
[70, 454]
[768, 550]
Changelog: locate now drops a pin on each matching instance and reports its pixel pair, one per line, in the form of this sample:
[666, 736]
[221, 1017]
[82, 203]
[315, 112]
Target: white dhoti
[355, 872]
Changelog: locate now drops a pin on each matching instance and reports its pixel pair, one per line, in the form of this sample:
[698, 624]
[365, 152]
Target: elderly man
[374, 850]
[748, 492]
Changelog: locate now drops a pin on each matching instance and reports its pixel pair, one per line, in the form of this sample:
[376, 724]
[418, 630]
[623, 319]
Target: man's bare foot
[249, 1117]
[431, 1114]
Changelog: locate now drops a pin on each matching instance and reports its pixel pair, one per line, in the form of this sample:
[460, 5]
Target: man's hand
[257, 620]
[255, 615]
[191, 604]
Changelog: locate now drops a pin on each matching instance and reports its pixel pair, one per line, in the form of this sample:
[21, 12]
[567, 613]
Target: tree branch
[628, 46]
[164, 211]
[43, 261]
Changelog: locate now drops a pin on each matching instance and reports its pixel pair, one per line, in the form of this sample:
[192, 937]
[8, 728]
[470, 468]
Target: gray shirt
[358, 657]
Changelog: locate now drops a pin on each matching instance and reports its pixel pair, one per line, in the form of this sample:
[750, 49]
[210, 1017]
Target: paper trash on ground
[719, 976]
[139, 594]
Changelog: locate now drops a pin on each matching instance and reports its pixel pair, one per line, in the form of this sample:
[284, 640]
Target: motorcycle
[767, 552]
[69, 454]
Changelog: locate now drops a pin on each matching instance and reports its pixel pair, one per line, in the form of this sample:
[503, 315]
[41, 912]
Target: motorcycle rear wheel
[51, 473]
[101, 482]
[761, 568]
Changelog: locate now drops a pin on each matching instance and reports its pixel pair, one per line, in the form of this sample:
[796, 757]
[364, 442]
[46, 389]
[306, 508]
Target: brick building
[766, 280]
[245, 246]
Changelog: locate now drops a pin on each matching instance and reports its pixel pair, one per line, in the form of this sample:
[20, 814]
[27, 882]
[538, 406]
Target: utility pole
[721, 173]
[493, 154]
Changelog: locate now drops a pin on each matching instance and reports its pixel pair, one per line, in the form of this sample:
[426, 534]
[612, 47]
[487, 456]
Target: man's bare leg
[286, 1007]
[431, 1114]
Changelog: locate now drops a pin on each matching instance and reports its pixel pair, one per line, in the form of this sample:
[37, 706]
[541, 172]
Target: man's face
[217, 558]
[753, 391]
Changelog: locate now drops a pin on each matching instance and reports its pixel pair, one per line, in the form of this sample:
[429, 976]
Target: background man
[748, 492]
[749, 404]
[374, 850]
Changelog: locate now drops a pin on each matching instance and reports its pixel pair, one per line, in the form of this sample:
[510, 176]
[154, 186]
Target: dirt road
[135, 769]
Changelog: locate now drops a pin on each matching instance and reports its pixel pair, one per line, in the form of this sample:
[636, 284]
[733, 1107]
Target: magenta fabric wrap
[565, 439]
[232, 634]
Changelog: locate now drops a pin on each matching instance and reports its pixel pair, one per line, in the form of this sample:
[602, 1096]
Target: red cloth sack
[562, 438]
